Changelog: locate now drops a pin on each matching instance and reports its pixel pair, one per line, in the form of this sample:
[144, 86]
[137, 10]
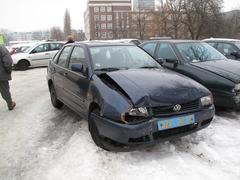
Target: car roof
[221, 39]
[174, 41]
[102, 43]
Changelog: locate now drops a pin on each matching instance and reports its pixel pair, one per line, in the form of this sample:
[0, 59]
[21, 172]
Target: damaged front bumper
[147, 133]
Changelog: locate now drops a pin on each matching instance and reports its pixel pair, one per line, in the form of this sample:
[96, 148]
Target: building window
[104, 35]
[109, 9]
[102, 9]
[109, 25]
[96, 9]
[109, 17]
[97, 26]
[117, 15]
[96, 17]
[110, 35]
[103, 17]
[103, 26]
[97, 34]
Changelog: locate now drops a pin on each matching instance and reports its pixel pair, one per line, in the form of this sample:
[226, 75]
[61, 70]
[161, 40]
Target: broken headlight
[207, 101]
[142, 111]
[135, 115]
[237, 88]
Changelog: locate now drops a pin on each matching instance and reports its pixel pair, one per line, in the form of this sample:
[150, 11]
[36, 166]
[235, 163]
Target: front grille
[175, 131]
[185, 107]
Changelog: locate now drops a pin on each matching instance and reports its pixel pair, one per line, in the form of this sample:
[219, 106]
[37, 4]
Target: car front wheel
[22, 65]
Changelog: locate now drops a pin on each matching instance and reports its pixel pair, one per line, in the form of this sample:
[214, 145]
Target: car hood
[229, 69]
[157, 87]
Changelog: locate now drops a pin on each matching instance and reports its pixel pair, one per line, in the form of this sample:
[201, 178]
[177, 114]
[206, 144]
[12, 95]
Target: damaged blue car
[130, 101]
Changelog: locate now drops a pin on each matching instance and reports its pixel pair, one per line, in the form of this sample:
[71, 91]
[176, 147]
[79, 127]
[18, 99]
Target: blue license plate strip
[175, 122]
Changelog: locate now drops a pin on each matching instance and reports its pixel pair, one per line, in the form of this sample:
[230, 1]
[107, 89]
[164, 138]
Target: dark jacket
[5, 64]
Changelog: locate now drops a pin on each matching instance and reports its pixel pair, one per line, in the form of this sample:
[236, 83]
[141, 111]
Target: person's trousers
[5, 92]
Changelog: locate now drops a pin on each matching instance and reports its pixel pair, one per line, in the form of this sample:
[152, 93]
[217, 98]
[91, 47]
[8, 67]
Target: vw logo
[177, 107]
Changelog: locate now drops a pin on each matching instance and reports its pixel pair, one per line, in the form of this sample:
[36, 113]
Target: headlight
[237, 88]
[135, 115]
[207, 101]
[142, 111]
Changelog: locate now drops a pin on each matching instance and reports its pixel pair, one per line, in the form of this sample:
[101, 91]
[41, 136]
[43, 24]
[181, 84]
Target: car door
[227, 50]
[40, 55]
[77, 83]
[60, 70]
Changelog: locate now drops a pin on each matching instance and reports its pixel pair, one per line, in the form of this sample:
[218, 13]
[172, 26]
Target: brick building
[107, 19]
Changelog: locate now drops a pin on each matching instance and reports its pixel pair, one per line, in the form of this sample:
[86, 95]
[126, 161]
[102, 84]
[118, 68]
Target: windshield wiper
[148, 67]
[107, 69]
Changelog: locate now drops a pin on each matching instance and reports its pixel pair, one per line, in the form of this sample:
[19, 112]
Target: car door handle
[47, 54]
[65, 74]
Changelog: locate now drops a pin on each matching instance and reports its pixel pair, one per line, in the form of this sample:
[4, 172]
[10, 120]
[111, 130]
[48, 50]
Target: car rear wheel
[55, 102]
[23, 65]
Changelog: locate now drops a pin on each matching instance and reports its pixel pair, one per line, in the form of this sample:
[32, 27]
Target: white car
[37, 55]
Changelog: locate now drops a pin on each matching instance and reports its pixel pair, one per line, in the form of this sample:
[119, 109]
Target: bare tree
[139, 23]
[196, 12]
[67, 23]
[175, 16]
[56, 34]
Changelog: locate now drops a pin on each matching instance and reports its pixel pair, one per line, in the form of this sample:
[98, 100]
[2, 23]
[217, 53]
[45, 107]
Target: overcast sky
[30, 15]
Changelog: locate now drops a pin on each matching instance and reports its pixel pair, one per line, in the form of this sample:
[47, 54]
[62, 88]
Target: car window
[237, 44]
[41, 48]
[226, 49]
[121, 57]
[64, 56]
[77, 57]
[198, 51]
[150, 47]
[165, 51]
[55, 46]
[211, 43]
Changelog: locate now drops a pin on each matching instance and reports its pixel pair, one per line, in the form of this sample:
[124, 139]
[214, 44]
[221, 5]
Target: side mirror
[236, 54]
[173, 61]
[160, 61]
[77, 68]
[33, 51]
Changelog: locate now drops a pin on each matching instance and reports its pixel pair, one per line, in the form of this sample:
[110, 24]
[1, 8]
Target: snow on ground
[38, 142]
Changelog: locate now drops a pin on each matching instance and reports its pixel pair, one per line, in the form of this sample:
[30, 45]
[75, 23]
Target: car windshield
[237, 44]
[198, 52]
[110, 58]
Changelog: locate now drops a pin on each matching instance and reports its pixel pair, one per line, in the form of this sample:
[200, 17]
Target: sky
[31, 15]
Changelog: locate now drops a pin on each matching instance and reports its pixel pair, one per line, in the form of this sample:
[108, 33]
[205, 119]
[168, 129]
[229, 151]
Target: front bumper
[227, 101]
[147, 133]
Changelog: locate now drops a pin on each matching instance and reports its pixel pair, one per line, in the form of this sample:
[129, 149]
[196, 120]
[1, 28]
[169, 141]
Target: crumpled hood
[19, 56]
[157, 87]
[230, 69]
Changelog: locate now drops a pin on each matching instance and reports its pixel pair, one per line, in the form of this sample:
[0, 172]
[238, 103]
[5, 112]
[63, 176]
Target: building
[143, 5]
[107, 19]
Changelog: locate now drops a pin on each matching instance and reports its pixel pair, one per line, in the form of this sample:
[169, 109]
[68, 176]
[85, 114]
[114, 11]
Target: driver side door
[40, 55]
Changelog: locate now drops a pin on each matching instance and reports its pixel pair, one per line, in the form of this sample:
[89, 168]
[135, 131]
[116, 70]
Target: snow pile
[39, 142]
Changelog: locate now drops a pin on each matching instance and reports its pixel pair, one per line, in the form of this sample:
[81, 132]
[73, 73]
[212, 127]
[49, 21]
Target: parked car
[127, 97]
[20, 48]
[38, 55]
[228, 47]
[131, 41]
[203, 63]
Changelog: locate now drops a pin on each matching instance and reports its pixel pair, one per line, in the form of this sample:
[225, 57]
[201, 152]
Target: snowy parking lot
[38, 142]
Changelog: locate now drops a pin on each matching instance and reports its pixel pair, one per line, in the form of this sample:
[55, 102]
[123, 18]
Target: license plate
[175, 122]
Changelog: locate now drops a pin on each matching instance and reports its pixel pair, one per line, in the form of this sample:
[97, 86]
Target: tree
[67, 23]
[175, 15]
[56, 34]
[196, 13]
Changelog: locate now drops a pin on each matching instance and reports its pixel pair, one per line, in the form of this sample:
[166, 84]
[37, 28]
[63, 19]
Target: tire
[55, 102]
[23, 65]
[98, 140]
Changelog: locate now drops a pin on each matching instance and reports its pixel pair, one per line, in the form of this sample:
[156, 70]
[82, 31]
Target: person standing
[5, 76]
